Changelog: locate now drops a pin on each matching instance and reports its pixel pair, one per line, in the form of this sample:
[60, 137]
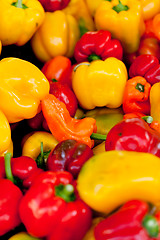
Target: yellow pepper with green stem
[57, 36]
[19, 21]
[109, 179]
[100, 83]
[22, 87]
[124, 20]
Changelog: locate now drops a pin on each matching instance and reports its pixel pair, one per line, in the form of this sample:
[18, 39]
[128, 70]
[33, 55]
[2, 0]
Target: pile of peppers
[80, 119]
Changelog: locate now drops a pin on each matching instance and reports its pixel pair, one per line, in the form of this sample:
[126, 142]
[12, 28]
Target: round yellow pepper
[112, 178]
[5, 130]
[32, 145]
[57, 36]
[22, 87]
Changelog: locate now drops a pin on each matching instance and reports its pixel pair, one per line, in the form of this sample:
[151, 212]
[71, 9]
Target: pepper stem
[98, 136]
[93, 57]
[19, 4]
[148, 119]
[140, 87]
[120, 7]
[66, 192]
[7, 161]
[151, 225]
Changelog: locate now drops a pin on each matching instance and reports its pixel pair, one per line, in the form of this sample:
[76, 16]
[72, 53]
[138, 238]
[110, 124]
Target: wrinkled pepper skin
[9, 204]
[100, 83]
[126, 223]
[55, 217]
[69, 155]
[136, 96]
[112, 178]
[127, 25]
[133, 134]
[97, 45]
[53, 5]
[26, 19]
[57, 36]
[5, 131]
[146, 66]
[22, 87]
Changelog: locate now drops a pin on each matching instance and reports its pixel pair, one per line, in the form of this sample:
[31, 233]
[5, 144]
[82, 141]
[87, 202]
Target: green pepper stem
[93, 57]
[148, 119]
[120, 7]
[140, 87]
[151, 225]
[7, 160]
[19, 4]
[98, 136]
[66, 192]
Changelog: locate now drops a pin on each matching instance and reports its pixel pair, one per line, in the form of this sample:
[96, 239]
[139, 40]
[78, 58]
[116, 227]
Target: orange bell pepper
[63, 126]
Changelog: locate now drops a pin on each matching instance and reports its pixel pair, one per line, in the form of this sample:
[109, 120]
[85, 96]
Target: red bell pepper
[69, 155]
[53, 5]
[52, 209]
[133, 134]
[97, 45]
[136, 96]
[130, 222]
[146, 66]
[10, 198]
[60, 69]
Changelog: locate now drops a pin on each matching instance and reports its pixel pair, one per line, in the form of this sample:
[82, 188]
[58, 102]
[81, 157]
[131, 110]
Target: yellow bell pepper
[90, 234]
[57, 36]
[150, 8]
[19, 21]
[5, 131]
[23, 236]
[112, 178]
[32, 145]
[155, 101]
[79, 10]
[22, 87]
[124, 20]
[100, 83]
[93, 5]
[0, 47]
[9, 149]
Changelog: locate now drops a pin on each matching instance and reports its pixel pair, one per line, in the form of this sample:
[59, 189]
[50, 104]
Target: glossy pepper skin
[58, 68]
[150, 8]
[28, 16]
[97, 45]
[59, 213]
[57, 36]
[5, 130]
[133, 135]
[63, 126]
[53, 5]
[127, 223]
[155, 100]
[100, 83]
[146, 66]
[123, 19]
[69, 155]
[136, 96]
[20, 99]
[112, 178]
[9, 206]
[64, 94]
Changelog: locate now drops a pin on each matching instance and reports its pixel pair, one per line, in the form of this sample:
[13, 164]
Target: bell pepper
[24, 236]
[133, 135]
[58, 68]
[52, 209]
[68, 155]
[150, 46]
[93, 5]
[22, 87]
[63, 126]
[150, 8]
[136, 96]
[152, 26]
[26, 19]
[31, 146]
[57, 36]
[131, 221]
[112, 178]
[155, 100]
[38, 122]
[97, 45]
[9, 149]
[53, 5]
[123, 19]
[100, 83]
[5, 131]
[10, 198]
[146, 66]
[79, 10]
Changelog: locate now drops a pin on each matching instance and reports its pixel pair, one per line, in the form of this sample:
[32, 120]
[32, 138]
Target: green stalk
[7, 159]
[98, 136]
[19, 4]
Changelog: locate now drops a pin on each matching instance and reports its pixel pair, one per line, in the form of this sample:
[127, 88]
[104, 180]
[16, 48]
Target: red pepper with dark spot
[131, 222]
[51, 208]
[133, 134]
[69, 155]
[97, 45]
[146, 66]
[53, 5]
